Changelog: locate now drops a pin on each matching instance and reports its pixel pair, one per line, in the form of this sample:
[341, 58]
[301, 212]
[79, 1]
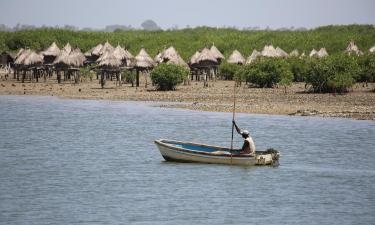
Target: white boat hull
[221, 156]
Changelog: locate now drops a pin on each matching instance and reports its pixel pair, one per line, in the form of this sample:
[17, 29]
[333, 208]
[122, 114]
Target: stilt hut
[254, 55]
[143, 63]
[236, 58]
[30, 63]
[109, 65]
[18, 63]
[294, 53]
[353, 49]
[206, 64]
[49, 55]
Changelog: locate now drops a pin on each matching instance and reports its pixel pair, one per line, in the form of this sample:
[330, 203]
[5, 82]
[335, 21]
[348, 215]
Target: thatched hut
[254, 55]
[204, 63]
[217, 54]
[29, 62]
[69, 63]
[353, 49]
[143, 63]
[294, 53]
[50, 54]
[236, 58]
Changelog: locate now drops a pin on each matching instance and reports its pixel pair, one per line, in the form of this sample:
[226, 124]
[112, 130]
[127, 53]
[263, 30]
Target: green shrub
[367, 68]
[335, 73]
[266, 72]
[298, 67]
[228, 70]
[168, 76]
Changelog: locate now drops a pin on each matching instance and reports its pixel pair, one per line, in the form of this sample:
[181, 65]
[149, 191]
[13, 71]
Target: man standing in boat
[248, 146]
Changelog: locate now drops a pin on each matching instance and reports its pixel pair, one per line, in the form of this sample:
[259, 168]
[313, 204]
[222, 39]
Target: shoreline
[218, 97]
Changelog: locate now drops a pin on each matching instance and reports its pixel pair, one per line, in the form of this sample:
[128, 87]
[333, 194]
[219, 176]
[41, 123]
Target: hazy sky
[167, 13]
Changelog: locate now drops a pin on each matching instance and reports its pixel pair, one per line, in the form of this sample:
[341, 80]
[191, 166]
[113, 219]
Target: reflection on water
[94, 162]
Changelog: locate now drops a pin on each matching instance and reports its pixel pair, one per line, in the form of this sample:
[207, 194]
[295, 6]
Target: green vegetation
[187, 41]
[367, 65]
[227, 70]
[266, 72]
[332, 74]
[168, 76]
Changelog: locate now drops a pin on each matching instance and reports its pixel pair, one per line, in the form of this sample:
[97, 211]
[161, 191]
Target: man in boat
[248, 146]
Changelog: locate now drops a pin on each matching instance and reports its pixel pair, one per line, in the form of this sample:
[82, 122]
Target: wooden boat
[191, 152]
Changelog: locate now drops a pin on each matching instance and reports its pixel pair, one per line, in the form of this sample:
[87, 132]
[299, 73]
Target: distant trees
[150, 25]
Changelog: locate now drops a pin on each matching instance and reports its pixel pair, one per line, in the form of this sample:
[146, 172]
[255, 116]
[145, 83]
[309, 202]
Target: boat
[178, 151]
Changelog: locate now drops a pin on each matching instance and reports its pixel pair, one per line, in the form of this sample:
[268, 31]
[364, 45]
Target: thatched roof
[322, 53]
[206, 55]
[353, 48]
[193, 59]
[22, 56]
[106, 47]
[76, 58]
[216, 53]
[111, 61]
[143, 60]
[236, 58]
[294, 53]
[73, 59]
[94, 51]
[269, 51]
[372, 49]
[313, 53]
[254, 55]
[170, 56]
[281, 53]
[20, 52]
[123, 55]
[33, 59]
[67, 48]
[158, 58]
[52, 50]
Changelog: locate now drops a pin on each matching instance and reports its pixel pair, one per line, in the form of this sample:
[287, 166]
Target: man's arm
[237, 129]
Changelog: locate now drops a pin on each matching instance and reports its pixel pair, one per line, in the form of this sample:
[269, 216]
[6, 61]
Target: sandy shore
[358, 104]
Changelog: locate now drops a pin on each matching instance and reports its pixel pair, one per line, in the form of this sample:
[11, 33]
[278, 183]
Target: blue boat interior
[195, 147]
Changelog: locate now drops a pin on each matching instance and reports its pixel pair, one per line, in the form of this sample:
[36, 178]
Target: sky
[169, 13]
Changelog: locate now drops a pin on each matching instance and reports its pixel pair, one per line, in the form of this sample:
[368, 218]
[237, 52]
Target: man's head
[245, 133]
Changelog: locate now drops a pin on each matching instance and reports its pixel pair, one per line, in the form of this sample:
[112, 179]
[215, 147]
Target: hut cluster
[109, 62]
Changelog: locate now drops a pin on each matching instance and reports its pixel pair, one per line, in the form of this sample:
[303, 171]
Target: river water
[94, 162]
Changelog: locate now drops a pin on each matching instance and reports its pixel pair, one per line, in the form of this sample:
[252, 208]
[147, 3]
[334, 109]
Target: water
[94, 162]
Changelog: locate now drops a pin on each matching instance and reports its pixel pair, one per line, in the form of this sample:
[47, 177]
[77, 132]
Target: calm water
[94, 162]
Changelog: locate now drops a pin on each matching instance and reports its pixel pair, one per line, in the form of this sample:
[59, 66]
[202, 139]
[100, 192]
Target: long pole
[234, 112]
